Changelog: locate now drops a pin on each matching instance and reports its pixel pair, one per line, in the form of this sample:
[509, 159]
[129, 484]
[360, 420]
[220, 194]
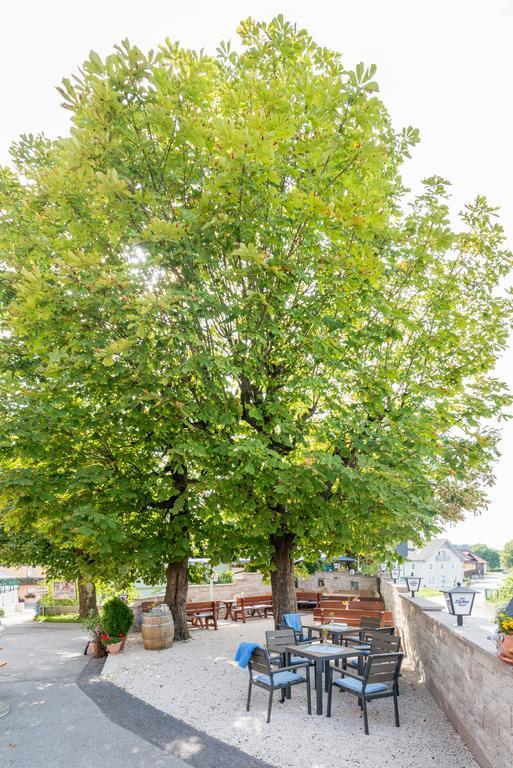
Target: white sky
[444, 66]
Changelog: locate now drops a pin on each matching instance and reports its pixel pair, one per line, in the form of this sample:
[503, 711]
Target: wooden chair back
[278, 639]
[381, 643]
[370, 622]
[260, 662]
[383, 668]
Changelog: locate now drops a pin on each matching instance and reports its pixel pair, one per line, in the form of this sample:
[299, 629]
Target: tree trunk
[86, 598]
[176, 596]
[282, 577]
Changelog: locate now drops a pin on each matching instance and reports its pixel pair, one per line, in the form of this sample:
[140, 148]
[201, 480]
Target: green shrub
[2, 613]
[65, 618]
[225, 577]
[116, 617]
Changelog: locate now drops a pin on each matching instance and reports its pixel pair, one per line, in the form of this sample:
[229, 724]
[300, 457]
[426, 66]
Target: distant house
[438, 563]
[474, 565]
[28, 578]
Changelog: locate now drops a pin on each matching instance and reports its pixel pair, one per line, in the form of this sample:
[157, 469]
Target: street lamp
[413, 583]
[383, 567]
[214, 578]
[460, 601]
[395, 573]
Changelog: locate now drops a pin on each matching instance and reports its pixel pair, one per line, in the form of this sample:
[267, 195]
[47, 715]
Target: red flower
[104, 637]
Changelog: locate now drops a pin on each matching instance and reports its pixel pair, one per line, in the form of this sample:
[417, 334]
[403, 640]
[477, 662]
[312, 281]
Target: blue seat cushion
[280, 678]
[355, 685]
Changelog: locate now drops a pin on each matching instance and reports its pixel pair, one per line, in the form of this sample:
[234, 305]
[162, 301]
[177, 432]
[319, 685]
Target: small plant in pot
[116, 620]
[505, 633]
[92, 625]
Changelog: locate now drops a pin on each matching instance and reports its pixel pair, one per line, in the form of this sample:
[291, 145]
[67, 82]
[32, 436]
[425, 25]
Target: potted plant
[116, 620]
[92, 625]
[505, 633]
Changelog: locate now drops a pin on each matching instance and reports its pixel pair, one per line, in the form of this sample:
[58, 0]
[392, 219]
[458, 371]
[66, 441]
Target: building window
[30, 573]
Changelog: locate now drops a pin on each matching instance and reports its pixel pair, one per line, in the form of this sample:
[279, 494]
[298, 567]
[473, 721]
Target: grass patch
[65, 618]
[428, 592]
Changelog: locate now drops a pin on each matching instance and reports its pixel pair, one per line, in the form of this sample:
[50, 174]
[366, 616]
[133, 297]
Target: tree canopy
[224, 330]
[491, 555]
[507, 555]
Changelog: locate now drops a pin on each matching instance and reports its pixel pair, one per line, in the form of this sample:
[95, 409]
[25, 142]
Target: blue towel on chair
[243, 653]
[293, 620]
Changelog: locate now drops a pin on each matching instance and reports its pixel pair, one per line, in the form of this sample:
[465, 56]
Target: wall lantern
[460, 601]
[395, 573]
[383, 567]
[413, 583]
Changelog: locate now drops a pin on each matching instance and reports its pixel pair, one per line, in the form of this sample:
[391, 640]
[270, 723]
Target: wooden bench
[372, 605]
[350, 616]
[259, 605]
[201, 613]
[308, 599]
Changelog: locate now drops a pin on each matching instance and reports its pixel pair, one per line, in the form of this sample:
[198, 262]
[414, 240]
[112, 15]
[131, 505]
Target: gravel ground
[199, 683]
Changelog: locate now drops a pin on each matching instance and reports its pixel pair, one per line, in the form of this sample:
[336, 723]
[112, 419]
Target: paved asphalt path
[63, 713]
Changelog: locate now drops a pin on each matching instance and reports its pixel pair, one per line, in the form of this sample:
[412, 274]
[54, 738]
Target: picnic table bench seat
[256, 605]
[202, 613]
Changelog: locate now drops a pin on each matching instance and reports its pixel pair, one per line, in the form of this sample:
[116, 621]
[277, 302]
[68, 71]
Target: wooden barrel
[158, 630]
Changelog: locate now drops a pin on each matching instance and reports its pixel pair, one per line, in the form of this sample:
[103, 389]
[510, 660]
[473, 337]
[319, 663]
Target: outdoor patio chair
[264, 676]
[277, 641]
[377, 643]
[378, 681]
[293, 621]
[372, 623]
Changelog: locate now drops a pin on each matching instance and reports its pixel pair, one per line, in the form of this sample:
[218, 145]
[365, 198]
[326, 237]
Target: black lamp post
[413, 583]
[460, 601]
[395, 573]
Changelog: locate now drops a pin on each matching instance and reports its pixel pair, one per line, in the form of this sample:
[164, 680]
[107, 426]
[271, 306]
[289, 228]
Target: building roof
[431, 548]
[473, 557]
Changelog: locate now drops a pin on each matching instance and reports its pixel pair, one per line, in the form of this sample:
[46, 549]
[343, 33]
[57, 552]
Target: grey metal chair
[277, 641]
[377, 642]
[296, 626]
[379, 681]
[368, 623]
[262, 674]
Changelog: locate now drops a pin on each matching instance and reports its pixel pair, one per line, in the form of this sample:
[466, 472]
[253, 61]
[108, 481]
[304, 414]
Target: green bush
[225, 577]
[116, 617]
[65, 618]
[2, 613]
[50, 602]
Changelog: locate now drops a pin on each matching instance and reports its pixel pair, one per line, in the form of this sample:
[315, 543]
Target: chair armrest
[345, 673]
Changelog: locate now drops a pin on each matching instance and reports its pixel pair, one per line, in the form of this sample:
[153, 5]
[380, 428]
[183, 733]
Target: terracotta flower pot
[115, 647]
[506, 646]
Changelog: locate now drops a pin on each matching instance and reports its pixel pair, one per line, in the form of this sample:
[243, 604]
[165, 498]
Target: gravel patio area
[199, 683]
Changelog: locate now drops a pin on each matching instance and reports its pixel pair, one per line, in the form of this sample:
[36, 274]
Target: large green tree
[491, 555]
[507, 555]
[227, 327]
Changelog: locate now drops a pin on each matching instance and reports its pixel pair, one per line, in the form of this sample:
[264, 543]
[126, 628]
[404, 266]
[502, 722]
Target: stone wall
[460, 669]
[340, 581]
[253, 584]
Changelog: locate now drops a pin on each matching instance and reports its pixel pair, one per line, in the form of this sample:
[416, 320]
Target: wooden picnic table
[321, 654]
[229, 605]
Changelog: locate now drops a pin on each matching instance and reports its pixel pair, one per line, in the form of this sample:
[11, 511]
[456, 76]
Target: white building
[439, 564]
